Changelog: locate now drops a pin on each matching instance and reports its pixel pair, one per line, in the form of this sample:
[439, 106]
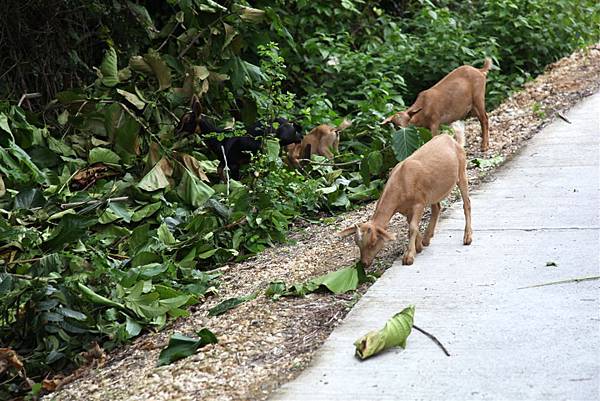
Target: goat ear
[346, 232]
[196, 106]
[412, 112]
[386, 235]
[388, 120]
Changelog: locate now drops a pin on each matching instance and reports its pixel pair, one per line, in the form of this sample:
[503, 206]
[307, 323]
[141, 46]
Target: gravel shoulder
[263, 343]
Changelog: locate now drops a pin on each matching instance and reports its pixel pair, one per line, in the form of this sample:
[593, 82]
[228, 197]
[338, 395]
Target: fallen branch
[28, 96]
[433, 338]
[330, 164]
[561, 115]
[573, 280]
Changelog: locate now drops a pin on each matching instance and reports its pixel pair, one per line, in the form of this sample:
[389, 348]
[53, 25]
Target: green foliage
[181, 346]
[110, 220]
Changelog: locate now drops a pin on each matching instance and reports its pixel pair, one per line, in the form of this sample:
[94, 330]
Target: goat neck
[385, 209]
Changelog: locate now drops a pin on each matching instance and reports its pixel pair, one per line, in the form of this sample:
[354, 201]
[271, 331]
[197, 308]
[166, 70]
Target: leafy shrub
[108, 224]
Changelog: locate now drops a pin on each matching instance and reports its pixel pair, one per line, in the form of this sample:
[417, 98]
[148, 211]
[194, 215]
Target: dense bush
[111, 221]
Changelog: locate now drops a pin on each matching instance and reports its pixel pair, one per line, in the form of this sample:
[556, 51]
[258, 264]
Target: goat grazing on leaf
[423, 179]
[457, 95]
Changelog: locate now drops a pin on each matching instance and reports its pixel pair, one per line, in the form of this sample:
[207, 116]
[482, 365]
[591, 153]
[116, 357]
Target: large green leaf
[181, 346]
[97, 298]
[155, 179]
[193, 191]
[394, 333]
[338, 282]
[109, 68]
[405, 141]
[29, 198]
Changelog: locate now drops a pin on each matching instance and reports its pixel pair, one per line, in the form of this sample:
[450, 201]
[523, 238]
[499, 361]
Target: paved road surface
[505, 343]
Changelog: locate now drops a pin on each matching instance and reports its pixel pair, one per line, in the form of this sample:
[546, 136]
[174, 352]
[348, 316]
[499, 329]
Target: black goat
[234, 151]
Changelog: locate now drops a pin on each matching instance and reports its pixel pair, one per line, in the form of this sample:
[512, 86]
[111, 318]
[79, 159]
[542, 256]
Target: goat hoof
[426, 241]
[419, 247]
[467, 239]
[408, 260]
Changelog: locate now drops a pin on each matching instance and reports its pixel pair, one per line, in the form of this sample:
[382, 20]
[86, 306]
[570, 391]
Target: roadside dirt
[264, 343]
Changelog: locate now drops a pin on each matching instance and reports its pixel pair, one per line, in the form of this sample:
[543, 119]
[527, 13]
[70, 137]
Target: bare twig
[561, 115]
[236, 223]
[34, 95]
[573, 280]
[330, 164]
[226, 169]
[94, 201]
[21, 261]
[434, 339]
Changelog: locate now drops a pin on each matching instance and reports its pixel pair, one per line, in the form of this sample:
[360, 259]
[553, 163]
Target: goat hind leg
[413, 232]
[435, 215]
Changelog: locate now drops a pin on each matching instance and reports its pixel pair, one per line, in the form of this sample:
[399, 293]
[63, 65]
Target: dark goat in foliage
[235, 151]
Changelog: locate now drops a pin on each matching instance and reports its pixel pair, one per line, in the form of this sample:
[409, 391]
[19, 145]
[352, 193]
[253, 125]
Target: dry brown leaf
[192, 164]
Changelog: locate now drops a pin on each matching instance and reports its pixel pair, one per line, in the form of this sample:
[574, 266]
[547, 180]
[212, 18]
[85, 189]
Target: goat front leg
[435, 215]
[413, 231]
[463, 186]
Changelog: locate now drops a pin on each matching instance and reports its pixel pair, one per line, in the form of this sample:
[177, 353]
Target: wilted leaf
[157, 177]
[394, 333]
[194, 166]
[103, 155]
[159, 68]
[230, 304]
[137, 63]
[252, 15]
[181, 346]
[132, 98]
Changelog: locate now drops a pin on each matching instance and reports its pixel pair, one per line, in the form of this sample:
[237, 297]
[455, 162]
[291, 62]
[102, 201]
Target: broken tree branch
[573, 280]
[434, 339]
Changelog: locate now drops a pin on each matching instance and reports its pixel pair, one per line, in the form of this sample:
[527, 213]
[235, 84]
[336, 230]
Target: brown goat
[459, 94]
[320, 140]
[423, 179]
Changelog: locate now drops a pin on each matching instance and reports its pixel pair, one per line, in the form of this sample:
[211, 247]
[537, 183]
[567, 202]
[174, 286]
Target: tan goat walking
[423, 179]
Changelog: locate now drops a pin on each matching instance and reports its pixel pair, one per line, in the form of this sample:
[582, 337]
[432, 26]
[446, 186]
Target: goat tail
[459, 132]
[487, 64]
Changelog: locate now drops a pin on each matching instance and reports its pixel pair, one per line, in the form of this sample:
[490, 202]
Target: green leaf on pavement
[394, 333]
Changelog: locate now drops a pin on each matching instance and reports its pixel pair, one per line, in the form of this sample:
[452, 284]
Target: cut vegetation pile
[113, 223]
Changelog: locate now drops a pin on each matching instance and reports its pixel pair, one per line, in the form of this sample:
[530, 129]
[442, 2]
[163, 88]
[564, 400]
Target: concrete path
[505, 343]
